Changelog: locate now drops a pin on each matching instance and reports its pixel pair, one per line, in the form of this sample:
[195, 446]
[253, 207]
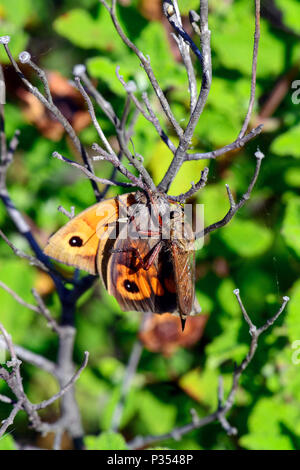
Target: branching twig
[146, 65]
[237, 144]
[186, 137]
[14, 381]
[63, 368]
[194, 189]
[32, 259]
[130, 371]
[89, 174]
[223, 406]
[254, 67]
[26, 58]
[234, 207]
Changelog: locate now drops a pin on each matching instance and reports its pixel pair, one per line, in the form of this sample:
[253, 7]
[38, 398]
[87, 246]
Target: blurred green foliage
[260, 248]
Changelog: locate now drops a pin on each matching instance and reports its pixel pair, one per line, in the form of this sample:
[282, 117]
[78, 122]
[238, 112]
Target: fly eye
[75, 241]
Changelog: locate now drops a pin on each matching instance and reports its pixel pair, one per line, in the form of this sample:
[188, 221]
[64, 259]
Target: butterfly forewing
[77, 243]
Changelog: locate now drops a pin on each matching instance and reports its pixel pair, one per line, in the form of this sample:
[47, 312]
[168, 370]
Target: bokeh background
[258, 252]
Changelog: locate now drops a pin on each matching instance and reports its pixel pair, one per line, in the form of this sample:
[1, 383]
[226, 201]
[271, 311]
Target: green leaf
[186, 5]
[106, 441]
[287, 143]
[130, 407]
[7, 443]
[266, 441]
[227, 298]
[105, 69]
[226, 346]
[158, 417]
[247, 238]
[291, 13]
[292, 177]
[215, 202]
[291, 224]
[87, 32]
[265, 424]
[233, 37]
[17, 275]
[154, 43]
[218, 126]
[18, 41]
[199, 384]
[16, 12]
[292, 315]
[205, 302]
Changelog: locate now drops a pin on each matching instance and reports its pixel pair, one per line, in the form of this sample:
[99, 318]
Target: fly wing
[184, 272]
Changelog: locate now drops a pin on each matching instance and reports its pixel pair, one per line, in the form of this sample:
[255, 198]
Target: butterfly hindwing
[133, 285]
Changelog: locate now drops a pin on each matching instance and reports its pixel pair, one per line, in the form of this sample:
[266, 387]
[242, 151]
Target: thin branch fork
[48, 102]
[182, 41]
[237, 144]
[185, 139]
[194, 189]
[205, 59]
[89, 174]
[146, 65]
[122, 138]
[150, 116]
[14, 381]
[234, 207]
[254, 68]
[224, 406]
[32, 260]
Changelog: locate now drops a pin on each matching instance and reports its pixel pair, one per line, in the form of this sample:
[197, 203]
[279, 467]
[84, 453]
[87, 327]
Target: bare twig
[51, 107]
[185, 139]
[14, 381]
[32, 358]
[68, 214]
[222, 408]
[254, 67]
[146, 65]
[5, 399]
[66, 388]
[183, 47]
[19, 299]
[32, 260]
[237, 144]
[130, 371]
[234, 207]
[194, 189]
[89, 174]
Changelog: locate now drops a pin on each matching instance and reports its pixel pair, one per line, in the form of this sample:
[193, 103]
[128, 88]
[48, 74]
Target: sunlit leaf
[106, 441]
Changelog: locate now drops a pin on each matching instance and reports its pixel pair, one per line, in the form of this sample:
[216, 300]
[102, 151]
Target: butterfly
[140, 246]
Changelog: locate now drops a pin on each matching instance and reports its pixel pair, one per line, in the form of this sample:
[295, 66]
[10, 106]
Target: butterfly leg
[144, 264]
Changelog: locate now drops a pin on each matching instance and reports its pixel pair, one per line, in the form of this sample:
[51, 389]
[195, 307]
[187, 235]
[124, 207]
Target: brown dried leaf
[162, 333]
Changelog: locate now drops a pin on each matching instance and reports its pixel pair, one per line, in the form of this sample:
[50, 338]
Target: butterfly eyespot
[75, 241]
[131, 286]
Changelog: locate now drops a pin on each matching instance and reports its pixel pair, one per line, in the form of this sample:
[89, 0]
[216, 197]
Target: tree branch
[223, 408]
[234, 207]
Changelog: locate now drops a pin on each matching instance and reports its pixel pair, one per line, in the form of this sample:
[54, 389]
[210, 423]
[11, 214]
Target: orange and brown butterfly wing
[136, 288]
[82, 240]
